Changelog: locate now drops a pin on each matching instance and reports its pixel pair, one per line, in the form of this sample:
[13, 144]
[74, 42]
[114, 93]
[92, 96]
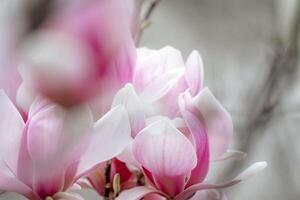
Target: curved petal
[189, 192]
[25, 96]
[44, 137]
[11, 184]
[194, 74]
[160, 148]
[38, 104]
[249, 172]
[161, 85]
[57, 139]
[110, 138]
[128, 97]
[217, 120]
[232, 154]
[136, 193]
[196, 126]
[66, 196]
[166, 153]
[209, 195]
[154, 197]
[10, 78]
[127, 156]
[157, 72]
[11, 126]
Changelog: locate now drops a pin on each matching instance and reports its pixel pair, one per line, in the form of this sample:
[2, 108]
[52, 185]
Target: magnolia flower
[185, 131]
[175, 157]
[44, 156]
[84, 50]
[161, 75]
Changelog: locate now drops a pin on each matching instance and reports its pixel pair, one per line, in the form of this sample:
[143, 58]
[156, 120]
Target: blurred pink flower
[46, 155]
[82, 51]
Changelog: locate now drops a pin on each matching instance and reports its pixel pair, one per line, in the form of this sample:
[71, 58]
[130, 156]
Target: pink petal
[136, 193]
[44, 137]
[67, 196]
[11, 184]
[170, 148]
[189, 192]
[25, 96]
[217, 120]
[168, 104]
[197, 128]
[111, 136]
[127, 156]
[25, 165]
[157, 72]
[10, 78]
[249, 172]
[209, 195]
[194, 74]
[134, 106]
[11, 126]
[57, 139]
[38, 104]
[166, 153]
[154, 197]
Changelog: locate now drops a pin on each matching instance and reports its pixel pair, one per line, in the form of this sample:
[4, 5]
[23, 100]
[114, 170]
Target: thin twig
[145, 22]
[281, 75]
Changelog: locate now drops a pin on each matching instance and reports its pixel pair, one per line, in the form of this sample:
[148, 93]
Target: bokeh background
[251, 60]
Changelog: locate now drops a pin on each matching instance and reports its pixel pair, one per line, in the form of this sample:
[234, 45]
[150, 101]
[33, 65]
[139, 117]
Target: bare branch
[267, 99]
[145, 22]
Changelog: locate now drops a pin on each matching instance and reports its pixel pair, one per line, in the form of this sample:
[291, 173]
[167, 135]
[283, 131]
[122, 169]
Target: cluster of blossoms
[86, 109]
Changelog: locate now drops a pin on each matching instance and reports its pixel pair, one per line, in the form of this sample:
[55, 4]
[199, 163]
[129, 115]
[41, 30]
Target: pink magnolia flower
[175, 157]
[161, 75]
[82, 51]
[175, 154]
[43, 157]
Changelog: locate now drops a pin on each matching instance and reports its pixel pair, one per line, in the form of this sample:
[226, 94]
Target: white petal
[157, 72]
[25, 96]
[217, 120]
[251, 171]
[232, 154]
[164, 150]
[111, 136]
[194, 72]
[134, 106]
[136, 193]
[11, 126]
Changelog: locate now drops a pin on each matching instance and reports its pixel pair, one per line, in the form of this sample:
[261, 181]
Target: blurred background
[251, 61]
